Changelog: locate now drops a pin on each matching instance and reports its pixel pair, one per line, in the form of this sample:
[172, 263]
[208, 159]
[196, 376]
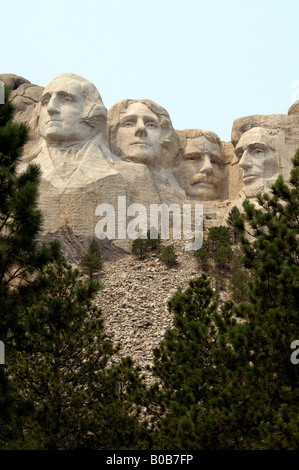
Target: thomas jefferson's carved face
[140, 135]
[61, 113]
[201, 171]
[257, 159]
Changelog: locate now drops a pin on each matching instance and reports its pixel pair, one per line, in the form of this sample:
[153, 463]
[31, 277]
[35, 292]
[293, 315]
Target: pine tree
[75, 399]
[203, 258]
[169, 256]
[233, 216]
[240, 279]
[223, 257]
[153, 240]
[91, 261]
[20, 223]
[139, 247]
[272, 313]
[185, 364]
[217, 237]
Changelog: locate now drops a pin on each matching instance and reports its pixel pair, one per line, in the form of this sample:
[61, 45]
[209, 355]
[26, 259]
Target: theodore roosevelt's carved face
[201, 171]
[256, 157]
[139, 134]
[62, 106]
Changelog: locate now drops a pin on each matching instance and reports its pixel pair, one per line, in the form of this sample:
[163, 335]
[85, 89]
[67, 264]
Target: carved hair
[186, 134]
[270, 134]
[195, 133]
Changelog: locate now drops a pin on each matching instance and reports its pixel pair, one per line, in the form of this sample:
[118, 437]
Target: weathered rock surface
[134, 300]
[24, 95]
[12, 80]
[294, 109]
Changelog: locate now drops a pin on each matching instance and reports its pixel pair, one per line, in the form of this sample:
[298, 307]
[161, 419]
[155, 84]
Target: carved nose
[245, 161]
[140, 128]
[52, 107]
[207, 166]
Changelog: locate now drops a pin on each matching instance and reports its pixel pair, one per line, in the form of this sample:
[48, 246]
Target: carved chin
[141, 157]
[254, 189]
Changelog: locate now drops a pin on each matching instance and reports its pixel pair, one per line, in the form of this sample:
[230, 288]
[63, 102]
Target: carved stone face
[257, 159]
[62, 106]
[140, 135]
[201, 171]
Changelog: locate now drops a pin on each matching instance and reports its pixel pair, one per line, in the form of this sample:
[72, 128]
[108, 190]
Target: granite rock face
[201, 167]
[24, 95]
[264, 146]
[294, 109]
[101, 167]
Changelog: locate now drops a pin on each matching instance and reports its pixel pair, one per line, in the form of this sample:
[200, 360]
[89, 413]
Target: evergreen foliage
[20, 255]
[73, 398]
[272, 312]
[203, 258]
[185, 364]
[139, 247]
[169, 256]
[240, 278]
[233, 216]
[218, 237]
[20, 219]
[91, 261]
[223, 257]
[149, 244]
[153, 240]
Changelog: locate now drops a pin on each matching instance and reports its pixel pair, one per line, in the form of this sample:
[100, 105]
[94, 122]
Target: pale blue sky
[207, 62]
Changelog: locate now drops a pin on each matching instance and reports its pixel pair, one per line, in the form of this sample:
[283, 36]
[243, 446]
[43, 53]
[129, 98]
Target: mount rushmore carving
[89, 155]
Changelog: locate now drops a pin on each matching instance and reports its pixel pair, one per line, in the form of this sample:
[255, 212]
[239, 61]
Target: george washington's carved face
[62, 107]
[201, 171]
[139, 134]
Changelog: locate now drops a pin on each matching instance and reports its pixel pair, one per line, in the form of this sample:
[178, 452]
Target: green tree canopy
[217, 237]
[233, 216]
[20, 255]
[91, 261]
[73, 398]
[169, 256]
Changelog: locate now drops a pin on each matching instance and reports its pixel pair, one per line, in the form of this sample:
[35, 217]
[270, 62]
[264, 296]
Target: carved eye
[67, 99]
[151, 125]
[258, 152]
[45, 102]
[128, 124]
